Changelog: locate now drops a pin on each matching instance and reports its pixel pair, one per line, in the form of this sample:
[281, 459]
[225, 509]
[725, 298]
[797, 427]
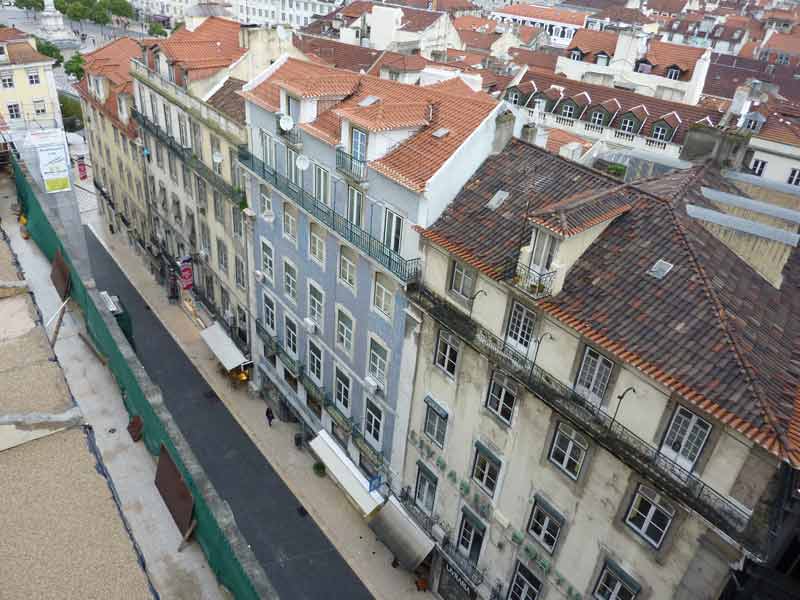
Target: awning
[395, 528]
[345, 473]
[222, 346]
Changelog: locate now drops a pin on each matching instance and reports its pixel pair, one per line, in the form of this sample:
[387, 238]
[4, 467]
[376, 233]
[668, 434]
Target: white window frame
[501, 397]
[660, 133]
[448, 347]
[646, 504]
[794, 177]
[392, 230]
[758, 166]
[269, 312]
[542, 519]
[463, 280]
[289, 225]
[573, 445]
[594, 120]
[293, 172]
[268, 260]
[316, 306]
[685, 430]
[342, 393]
[355, 206]
[425, 494]
[576, 55]
[322, 184]
[373, 422]
[627, 126]
[291, 336]
[613, 585]
[568, 111]
[673, 74]
[345, 337]
[265, 199]
[468, 536]
[315, 360]
[239, 272]
[486, 471]
[348, 267]
[382, 298]
[601, 363]
[33, 74]
[316, 247]
[435, 426]
[522, 588]
[290, 283]
[374, 367]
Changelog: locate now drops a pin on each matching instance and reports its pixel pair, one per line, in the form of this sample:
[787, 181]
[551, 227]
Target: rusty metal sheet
[59, 275]
[174, 491]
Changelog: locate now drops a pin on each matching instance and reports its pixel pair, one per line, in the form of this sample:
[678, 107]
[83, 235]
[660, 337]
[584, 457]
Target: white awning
[222, 346]
[395, 528]
[345, 473]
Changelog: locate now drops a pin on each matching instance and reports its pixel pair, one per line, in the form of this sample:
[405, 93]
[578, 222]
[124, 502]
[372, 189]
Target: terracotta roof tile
[784, 42]
[663, 55]
[472, 23]
[591, 43]
[8, 34]
[382, 117]
[213, 45]
[21, 53]
[545, 13]
[556, 138]
[228, 100]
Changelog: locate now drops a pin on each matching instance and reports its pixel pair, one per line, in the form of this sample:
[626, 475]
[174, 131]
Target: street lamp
[472, 300]
[619, 403]
[539, 341]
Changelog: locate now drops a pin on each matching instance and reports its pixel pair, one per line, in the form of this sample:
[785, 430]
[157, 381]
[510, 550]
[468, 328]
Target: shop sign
[453, 585]
[187, 275]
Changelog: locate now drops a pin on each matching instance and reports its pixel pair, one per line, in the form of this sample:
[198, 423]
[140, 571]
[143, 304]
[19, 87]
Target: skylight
[660, 269]
[368, 101]
[441, 132]
[498, 198]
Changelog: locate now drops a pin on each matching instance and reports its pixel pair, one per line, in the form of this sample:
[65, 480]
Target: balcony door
[686, 436]
[358, 144]
[519, 334]
[544, 248]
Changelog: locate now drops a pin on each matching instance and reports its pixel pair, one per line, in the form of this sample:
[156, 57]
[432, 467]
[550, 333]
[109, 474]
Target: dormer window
[673, 73]
[627, 126]
[358, 144]
[3, 54]
[597, 118]
[602, 60]
[293, 108]
[513, 98]
[644, 67]
[751, 124]
[660, 133]
[568, 110]
[576, 55]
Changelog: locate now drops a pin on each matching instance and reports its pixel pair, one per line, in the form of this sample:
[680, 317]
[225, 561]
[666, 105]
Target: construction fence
[227, 552]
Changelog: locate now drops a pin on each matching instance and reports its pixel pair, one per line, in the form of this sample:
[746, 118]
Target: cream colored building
[584, 424]
[28, 94]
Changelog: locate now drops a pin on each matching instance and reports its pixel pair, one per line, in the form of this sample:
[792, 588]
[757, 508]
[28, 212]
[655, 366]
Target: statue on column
[53, 29]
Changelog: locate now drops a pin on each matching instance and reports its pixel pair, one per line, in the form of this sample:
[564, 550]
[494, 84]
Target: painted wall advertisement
[51, 146]
[186, 273]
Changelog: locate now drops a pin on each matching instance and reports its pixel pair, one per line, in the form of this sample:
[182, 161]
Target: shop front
[453, 585]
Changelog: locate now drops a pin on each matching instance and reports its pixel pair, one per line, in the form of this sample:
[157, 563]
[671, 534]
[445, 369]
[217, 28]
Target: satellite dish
[286, 123]
[302, 162]
[217, 157]
[283, 33]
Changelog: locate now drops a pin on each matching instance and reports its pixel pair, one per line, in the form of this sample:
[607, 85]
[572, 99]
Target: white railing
[598, 132]
[189, 102]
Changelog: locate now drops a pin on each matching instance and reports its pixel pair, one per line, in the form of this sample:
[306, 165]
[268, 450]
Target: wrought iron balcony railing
[532, 282]
[405, 269]
[272, 344]
[313, 389]
[685, 486]
[186, 155]
[353, 167]
[465, 565]
[292, 136]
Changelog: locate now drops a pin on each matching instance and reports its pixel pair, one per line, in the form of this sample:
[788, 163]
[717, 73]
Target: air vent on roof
[660, 269]
[498, 198]
[441, 132]
[368, 101]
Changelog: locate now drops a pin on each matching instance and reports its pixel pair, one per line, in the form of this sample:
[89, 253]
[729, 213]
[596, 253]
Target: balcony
[595, 133]
[353, 167]
[272, 346]
[404, 269]
[185, 154]
[293, 136]
[465, 565]
[534, 284]
[312, 389]
[638, 454]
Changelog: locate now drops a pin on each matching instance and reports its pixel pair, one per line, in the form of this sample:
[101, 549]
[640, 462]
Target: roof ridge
[721, 312]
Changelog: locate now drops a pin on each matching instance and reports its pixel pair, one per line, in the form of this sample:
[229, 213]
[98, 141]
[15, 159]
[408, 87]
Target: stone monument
[52, 27]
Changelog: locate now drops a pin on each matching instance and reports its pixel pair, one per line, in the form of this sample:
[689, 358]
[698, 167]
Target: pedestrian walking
[270, 416]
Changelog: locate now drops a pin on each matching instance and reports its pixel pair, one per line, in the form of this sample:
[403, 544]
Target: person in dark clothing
[270, 416]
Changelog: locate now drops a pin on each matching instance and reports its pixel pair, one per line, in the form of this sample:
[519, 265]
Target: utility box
[123, 318]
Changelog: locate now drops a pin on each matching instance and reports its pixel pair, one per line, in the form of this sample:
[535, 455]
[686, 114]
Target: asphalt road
[297, 557]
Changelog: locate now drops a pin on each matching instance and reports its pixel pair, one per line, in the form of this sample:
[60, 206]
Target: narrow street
[296, 555]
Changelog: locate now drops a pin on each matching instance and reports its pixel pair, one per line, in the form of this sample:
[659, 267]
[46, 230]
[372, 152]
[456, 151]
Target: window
[673, 73]
[659, 133]
[316, 244]
[758, 166]
[525, 585]
[222, 256]
[316, 304]
[373, 417]
[290, 281]
[315, 361]
[470, 537]
[378, 358]
[447, 352]
[751, 124]
[650, 515]
[292, 170]
[485, 469]
[268, 149]
[182, 136]
[513, 98]
[269, 313]
[15, 113]
[238, 221]
[7, 79]
[614, 584]
[40, 108]
[322, 185]
[383, 296]
[167, 119]
[347, 267]
[568, 110]
[794, 177]
[435, 422]
[219, 207]
[392, 230]
[33, 77]
[686, 436]
[216, 154]
[291, 335]
[502, 397]
[355, 206]
[205, 238]
[344, 331]
[593, 376]
[568, 450]
[462, 280]
[342, 389]
[783, 59]
[602, 60]
[358, 144]
[289, 223]
[267, 260]
[520, 328]
[426, 490]
[265, 201]
[597, 118]
[627, 125]
[576, 55]
[545, 524]
[239, 272]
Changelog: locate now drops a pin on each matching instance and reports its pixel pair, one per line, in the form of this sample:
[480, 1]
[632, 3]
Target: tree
[48, 49]
[77, 11]
[177, 26]
[99, 14]
[29, 4]
[121, 8]
[156, 29]
[74, 66]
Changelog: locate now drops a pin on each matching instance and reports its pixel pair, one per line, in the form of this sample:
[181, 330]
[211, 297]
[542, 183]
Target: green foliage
[616, 169]
[74, 66]
[319, 469]
[77, 11]
[99, 13]
[48, 49]
[156, 29]
[121, 8]
[178, 25]
[61, 6]
[29, 4]
[71, 112]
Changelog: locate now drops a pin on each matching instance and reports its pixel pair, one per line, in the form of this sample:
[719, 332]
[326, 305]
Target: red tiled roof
[476, 40]
[667, 6]
[545, 13]
[457, 87]
[228, 101]
[556, 138]
[213, 45]
[475, 24]
[534, 58]
[8, 34]
[414, 161]
[448, 6]
[620, 14]
[663, 55]
[591, 43]
[21, 53]
[784, 42]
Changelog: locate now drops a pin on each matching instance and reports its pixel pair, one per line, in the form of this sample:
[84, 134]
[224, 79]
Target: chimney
[631, 46]
[724, 148]
[535, 135]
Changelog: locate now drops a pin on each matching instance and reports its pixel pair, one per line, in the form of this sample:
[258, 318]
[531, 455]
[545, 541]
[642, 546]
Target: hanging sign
[51, 146]
[187, 275]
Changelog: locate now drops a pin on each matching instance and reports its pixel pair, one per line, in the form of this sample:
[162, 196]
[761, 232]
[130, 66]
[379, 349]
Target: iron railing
[532, 282]
[314, 390]
[185, 154]
[464, 564]
[353, 167]
[274, 344]
[292, 136]
[421, 518]
[405, 269]
[623, 443]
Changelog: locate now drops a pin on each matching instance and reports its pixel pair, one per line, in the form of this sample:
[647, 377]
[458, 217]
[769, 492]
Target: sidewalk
[347, 531]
